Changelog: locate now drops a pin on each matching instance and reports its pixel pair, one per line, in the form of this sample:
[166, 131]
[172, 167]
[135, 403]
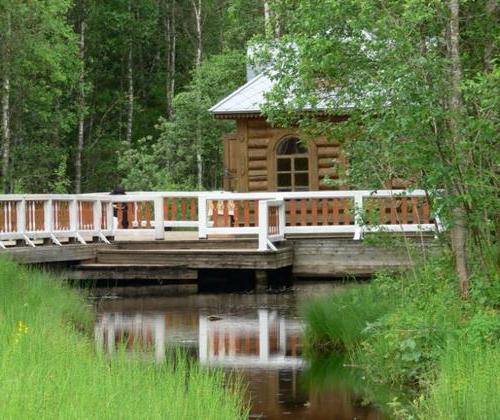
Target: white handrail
[29, 217]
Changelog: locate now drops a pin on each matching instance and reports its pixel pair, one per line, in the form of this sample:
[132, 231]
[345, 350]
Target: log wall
[250, 158]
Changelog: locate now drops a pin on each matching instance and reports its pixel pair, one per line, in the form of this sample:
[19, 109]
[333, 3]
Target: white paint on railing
[102, 224]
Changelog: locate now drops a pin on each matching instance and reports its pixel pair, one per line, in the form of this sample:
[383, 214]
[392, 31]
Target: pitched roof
[248, 99]
[245, 100]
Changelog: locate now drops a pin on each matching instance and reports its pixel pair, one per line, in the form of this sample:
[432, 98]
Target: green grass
[467, 387]
[411, 334]
[50, 369]
[336, 323]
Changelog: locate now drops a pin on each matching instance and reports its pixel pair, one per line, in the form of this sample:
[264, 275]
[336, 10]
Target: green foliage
[467, 387]
[170, 159]
[50, 369]
[388, 68]
[414, 325]
[40, 59]
[329, 329]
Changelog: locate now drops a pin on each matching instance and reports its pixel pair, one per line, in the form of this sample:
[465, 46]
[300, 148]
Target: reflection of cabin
[259, 157]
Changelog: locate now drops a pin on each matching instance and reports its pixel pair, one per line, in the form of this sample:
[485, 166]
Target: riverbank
[413, 345]
[49, 367]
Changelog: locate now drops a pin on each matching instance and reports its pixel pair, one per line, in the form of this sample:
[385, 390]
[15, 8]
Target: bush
[398, 329]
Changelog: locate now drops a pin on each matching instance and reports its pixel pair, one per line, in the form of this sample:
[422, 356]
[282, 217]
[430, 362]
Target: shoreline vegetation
[408, 343]
[49, 367]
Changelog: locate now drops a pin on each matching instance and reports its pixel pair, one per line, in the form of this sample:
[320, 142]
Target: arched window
[292, 165]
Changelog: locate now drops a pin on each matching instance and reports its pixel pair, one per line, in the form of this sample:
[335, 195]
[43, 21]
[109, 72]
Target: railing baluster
[236, 214]
[292, 212]
[147, 206]
[192, 209]
[382, 211]
[303, 212]
[394, 214]
[314, 212]
[335, 210]
[174, 209]
[346, 212]
[246, 210]
[256, 209]
[183, 209]
[225, 212]
[165, 208]
[425, 211]
[324, 211]
[404, 210]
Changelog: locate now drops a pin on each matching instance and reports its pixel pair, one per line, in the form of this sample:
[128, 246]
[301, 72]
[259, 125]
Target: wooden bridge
[174, 235]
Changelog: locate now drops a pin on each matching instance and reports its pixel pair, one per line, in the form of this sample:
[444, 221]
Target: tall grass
[467, 387]
[336, 323]
[50, 369]
[397, 331]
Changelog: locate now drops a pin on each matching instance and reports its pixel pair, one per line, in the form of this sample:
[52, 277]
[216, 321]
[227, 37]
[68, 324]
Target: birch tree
[81, 111]
[398, 68]
[6, 137]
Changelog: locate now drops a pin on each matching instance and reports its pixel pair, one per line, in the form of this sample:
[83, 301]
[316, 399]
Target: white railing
[269, 216]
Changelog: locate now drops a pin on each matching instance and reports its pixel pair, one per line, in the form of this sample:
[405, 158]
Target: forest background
[95, 93]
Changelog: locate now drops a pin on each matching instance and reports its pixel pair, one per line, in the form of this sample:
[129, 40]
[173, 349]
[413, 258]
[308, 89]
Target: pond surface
[257, 334]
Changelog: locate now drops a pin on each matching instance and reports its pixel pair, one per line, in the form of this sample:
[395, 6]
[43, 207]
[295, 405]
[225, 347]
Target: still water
[257, 334]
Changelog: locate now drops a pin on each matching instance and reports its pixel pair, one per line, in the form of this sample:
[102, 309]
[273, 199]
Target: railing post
[21, 217]
[73, 216]
[358, 216]
[202, 217]
[263, 225]
[97, 213]
[109, 216]
[159, 219]
[48, 216]
[282, 218]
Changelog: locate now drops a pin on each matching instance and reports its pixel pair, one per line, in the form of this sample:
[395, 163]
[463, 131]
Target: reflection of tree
[332, 376]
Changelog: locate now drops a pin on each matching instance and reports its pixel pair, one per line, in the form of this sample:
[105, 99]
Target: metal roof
[246, 99]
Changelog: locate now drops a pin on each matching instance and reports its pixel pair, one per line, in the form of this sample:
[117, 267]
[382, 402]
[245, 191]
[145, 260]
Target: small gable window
[292, 165]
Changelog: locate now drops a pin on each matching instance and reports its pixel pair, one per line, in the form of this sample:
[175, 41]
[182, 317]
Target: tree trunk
[81, 117]
[267, 20]
[170, 49]
[491, 8]
[459, 231]
[6, 111]
[199, 49]
[130, 79]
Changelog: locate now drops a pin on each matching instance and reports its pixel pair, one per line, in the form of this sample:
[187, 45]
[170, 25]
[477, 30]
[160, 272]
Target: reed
[467, 387]
[49, 367]
[336, 323]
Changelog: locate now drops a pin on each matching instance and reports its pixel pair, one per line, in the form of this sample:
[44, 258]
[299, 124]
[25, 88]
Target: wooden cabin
[260, 157]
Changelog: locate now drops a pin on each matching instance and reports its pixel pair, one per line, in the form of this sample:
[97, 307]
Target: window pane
[301, 180]
[284, 180]
[301, 164]
[284, 165]
[291, 146]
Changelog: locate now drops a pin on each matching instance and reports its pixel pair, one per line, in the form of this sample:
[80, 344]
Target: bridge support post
[261, 280]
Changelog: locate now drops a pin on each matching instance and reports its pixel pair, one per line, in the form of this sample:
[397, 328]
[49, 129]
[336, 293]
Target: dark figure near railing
[119, 190]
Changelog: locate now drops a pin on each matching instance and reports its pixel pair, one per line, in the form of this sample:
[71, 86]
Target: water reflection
[259, 335]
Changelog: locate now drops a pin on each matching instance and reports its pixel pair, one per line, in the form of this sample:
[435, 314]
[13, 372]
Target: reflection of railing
[268, 340]
[269, 216]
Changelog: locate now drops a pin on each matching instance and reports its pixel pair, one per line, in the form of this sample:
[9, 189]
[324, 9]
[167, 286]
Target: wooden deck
[177, 236]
